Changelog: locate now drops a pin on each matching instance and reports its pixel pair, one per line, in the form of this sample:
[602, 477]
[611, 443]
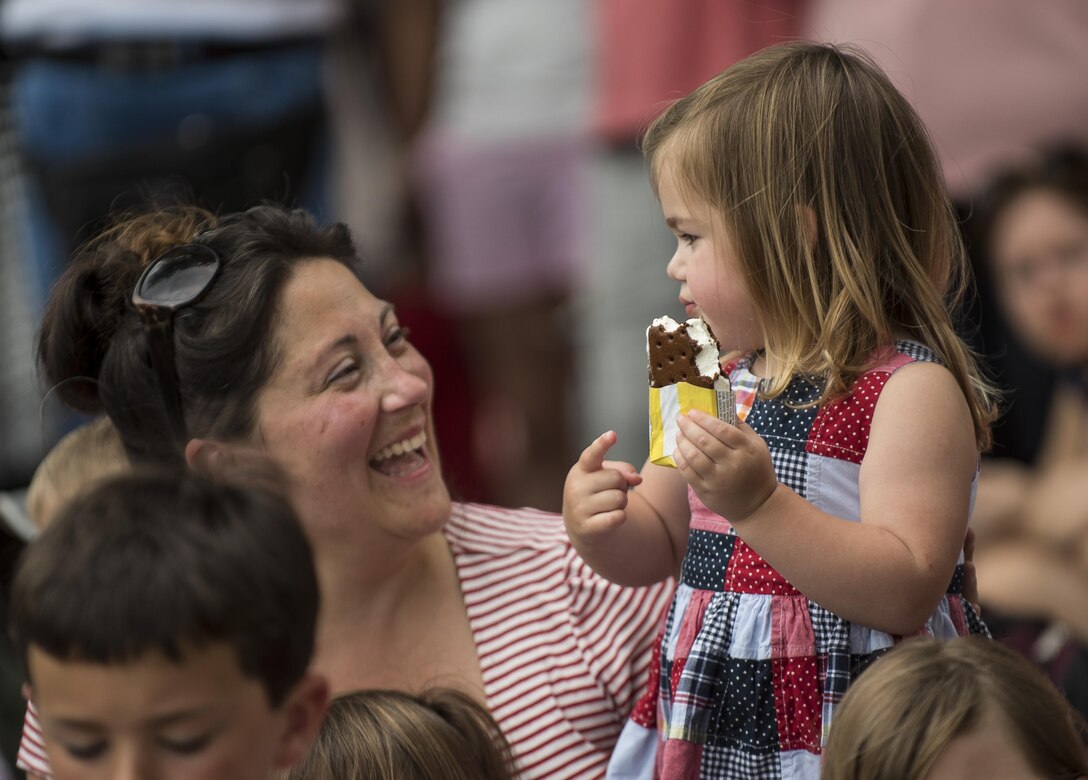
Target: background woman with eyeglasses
[273, 343]
[1032, 522]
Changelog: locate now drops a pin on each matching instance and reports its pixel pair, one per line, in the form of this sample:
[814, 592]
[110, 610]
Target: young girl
[963, 709]
[815, 238]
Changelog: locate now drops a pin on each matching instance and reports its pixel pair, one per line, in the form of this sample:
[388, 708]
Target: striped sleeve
[31, 756]
[563, 652]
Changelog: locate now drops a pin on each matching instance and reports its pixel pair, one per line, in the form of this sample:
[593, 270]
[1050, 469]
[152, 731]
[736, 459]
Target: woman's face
[347, 412]
[1040, 256]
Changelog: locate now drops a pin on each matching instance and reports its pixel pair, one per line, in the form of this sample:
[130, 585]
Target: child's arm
[890, 570]
[631, 538]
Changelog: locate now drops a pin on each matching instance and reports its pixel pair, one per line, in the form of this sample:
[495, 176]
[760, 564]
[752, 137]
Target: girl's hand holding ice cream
[728, 466]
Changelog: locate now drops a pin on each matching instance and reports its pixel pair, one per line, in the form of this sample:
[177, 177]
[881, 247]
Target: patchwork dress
[749, 672]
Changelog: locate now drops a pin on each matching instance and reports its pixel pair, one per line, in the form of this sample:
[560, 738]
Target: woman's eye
[343, 372]
[86, 752]
[1074, 254]
[186, 746]
[1021, 275]
[397, 337]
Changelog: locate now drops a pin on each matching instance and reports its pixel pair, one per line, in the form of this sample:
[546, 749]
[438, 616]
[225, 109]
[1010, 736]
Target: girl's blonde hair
[825, 180]
[441, 734]
[899, 716]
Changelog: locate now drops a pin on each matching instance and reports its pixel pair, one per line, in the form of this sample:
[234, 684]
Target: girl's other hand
[595, 493]
[729, 467]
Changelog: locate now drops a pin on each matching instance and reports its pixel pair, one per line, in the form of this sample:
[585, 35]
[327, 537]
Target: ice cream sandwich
[684, 374]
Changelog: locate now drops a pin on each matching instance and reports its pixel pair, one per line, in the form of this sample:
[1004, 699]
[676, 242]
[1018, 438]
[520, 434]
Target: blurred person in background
[499, 175]
[1032, 523]
[647, 53]
[116, 102]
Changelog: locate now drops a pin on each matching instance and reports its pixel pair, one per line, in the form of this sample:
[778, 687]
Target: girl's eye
[86, 752]
[186, 746]
[688, 238]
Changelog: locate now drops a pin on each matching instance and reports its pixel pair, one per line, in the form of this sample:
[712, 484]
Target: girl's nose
[403, 388]
[675, 269]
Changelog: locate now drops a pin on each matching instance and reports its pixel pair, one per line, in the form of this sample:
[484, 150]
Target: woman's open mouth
[402, 457]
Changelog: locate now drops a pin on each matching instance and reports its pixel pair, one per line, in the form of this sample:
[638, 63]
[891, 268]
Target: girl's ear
[807, 216]
[304, 710]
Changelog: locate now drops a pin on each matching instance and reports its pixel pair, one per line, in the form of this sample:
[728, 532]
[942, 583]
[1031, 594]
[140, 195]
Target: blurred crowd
[485, 155]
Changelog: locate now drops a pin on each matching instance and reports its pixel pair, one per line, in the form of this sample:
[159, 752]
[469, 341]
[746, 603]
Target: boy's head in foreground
[964, 709]
[167, 624]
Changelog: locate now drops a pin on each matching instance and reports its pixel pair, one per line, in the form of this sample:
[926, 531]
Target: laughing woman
[200, 336]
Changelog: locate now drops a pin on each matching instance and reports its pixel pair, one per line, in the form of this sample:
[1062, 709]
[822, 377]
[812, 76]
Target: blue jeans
[95, 139]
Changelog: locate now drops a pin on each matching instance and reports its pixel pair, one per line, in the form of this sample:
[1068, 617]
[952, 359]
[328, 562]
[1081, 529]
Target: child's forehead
[151, 683]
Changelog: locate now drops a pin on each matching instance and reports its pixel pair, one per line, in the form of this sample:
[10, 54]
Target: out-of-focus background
[485, 154]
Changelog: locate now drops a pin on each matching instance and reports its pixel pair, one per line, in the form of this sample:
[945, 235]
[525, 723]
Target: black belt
[130, 56]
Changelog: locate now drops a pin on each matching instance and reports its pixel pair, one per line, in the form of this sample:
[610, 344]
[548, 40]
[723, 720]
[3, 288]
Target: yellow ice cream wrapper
[669, 402]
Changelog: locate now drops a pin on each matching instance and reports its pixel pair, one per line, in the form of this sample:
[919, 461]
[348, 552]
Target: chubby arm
[890, 570]
[631, 537]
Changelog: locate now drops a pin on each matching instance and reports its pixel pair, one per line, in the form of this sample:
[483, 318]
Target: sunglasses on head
[171, 282]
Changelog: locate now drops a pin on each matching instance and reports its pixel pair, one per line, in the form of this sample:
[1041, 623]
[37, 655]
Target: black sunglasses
[171, 282]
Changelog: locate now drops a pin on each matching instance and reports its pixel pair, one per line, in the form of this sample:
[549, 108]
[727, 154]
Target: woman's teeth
[401, 447]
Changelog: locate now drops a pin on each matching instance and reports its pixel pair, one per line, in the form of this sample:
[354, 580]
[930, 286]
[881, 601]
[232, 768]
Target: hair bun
[88, 307]
[85, 308]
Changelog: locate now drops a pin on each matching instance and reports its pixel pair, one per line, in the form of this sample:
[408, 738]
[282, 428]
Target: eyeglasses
[171, 282]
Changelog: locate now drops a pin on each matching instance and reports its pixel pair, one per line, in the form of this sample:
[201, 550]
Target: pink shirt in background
[993, 80]
[651, 52]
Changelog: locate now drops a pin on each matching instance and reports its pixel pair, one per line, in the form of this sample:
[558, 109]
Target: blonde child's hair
[441, 734]
[899, 716]
[824, 178]
[79, 461]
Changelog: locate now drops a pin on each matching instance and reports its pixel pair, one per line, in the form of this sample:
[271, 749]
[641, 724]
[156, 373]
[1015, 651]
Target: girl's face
[1040, 256]
[706, 266]
[348, 413]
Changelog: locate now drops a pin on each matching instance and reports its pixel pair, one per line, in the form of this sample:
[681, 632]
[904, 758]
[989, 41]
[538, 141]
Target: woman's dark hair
[92, 345]
[168, 560]
[1062, 170]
